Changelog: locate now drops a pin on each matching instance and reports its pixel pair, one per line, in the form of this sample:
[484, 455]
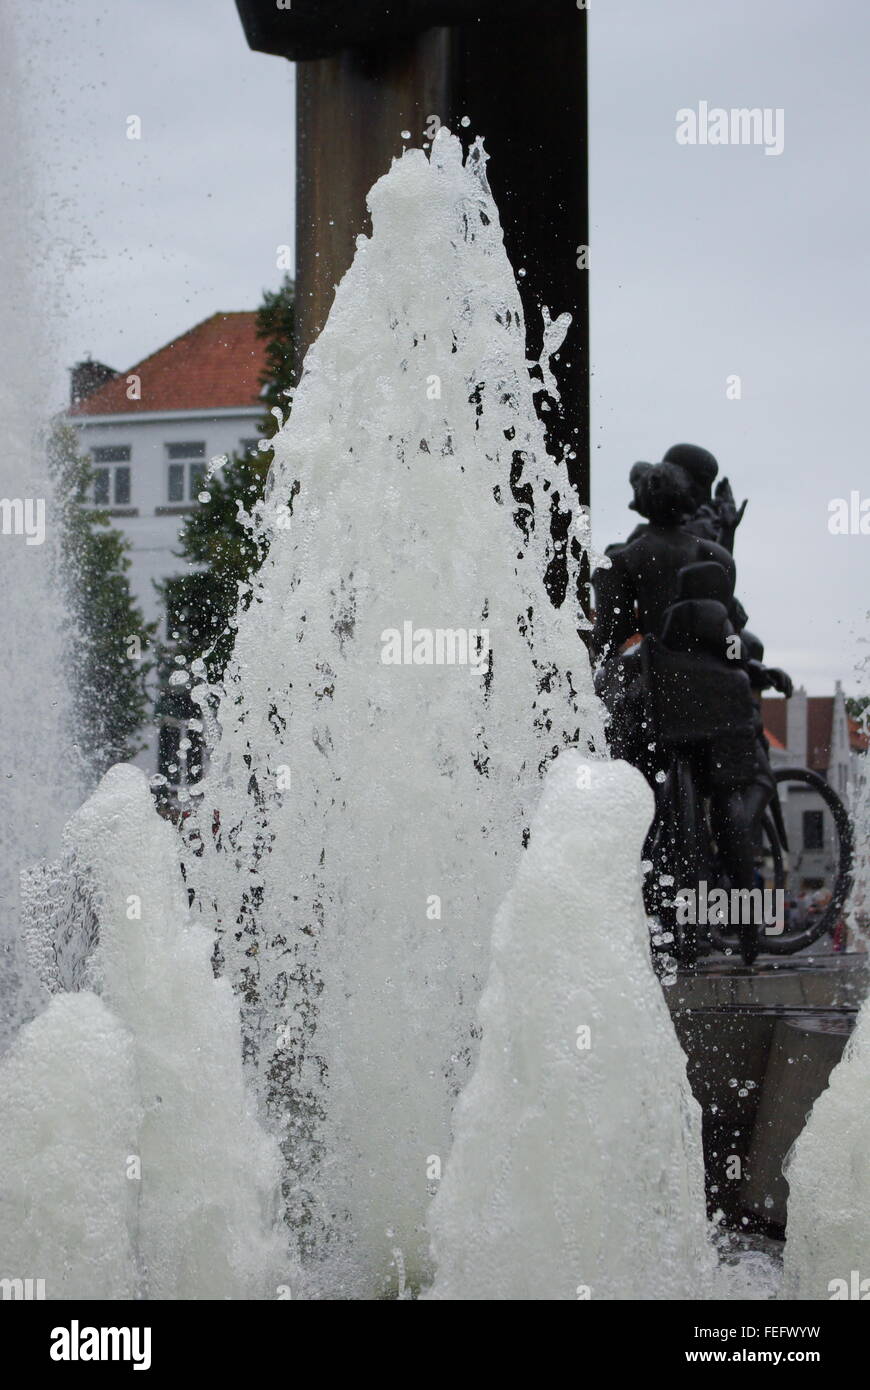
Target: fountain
[399, 681]
[407, 1102]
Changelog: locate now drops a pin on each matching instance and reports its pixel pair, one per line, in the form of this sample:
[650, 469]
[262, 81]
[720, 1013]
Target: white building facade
[155, 434]
[149, 469]
[814, 732]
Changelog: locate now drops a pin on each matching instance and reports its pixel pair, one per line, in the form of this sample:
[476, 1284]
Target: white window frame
[190, 457]
[109, 468]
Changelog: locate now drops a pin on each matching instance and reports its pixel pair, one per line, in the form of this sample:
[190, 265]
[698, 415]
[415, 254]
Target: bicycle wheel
[788, 942]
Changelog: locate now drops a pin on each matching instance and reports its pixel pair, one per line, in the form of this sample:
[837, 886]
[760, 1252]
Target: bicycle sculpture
[682, 680]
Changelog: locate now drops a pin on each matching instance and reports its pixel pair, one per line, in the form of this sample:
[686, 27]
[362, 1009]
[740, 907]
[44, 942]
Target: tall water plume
[41, 776]
[399, 682]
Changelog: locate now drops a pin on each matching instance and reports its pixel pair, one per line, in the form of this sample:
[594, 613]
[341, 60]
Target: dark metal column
[517, 69]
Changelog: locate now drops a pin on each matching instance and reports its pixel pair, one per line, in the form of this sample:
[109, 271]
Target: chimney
[86, 376]
[839, 726]
[796, 726]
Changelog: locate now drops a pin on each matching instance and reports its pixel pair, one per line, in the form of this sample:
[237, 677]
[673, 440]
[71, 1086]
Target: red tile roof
[215, 365]
[773, 712]
[820, 720]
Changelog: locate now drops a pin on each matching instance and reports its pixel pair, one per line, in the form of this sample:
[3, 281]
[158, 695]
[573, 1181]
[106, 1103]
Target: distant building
[813, 731]
[151, 431]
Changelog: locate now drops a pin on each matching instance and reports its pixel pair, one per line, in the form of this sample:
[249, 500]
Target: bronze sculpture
[684, 699]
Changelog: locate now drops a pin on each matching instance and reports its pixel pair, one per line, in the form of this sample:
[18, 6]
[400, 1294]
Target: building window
[186, 471]
[814, 829]
[111, 470]
[102, 486]
[196, 480]
[176, 482]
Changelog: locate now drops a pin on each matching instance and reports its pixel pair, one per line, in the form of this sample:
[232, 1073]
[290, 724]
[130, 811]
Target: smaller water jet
[576, 1169]
[69, 1121]
[827, 1249]
[145, 1123]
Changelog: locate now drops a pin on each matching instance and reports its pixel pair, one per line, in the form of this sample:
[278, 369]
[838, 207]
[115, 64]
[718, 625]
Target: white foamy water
[827, 1250]
[400, 685]
[371, 812]
[828, 1171]
[577, 1169]
[69, 1120]
[142, 1124]
[144, 1075]
[857, 911]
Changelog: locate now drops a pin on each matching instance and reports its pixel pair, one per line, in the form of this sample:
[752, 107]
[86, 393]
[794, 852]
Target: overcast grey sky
[718, 260]
[706, 262]
[148, 237]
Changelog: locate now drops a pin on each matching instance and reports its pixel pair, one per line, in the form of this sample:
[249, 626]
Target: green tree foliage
[276, 324]
[108, 637]
[217, 545]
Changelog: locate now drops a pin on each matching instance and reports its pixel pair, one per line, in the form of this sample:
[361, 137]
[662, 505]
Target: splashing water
[123, 1106]
[69, 1121]
[399, 681]
[577, 1170]
[827, 1251]
[42, 778]
[400, 685]
[828, 1172]
[858, 905]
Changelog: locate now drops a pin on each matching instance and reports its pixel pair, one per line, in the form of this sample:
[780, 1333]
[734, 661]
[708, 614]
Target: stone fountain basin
[761, 1043]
